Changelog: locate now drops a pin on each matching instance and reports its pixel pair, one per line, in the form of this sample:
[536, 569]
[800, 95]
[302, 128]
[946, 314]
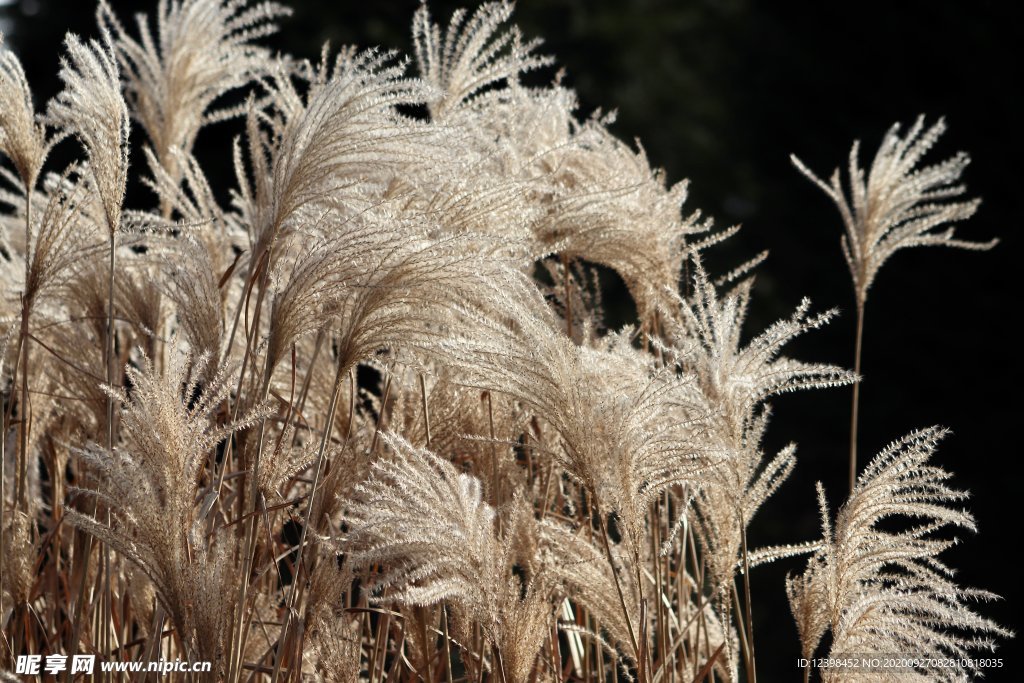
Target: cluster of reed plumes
[365, 420]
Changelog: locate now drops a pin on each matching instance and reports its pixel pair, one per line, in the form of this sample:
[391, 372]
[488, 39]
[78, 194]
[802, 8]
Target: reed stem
[856, 395]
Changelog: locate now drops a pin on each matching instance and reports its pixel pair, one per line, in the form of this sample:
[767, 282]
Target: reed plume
[895, 206]
[201, 51]
[881, 591]
[92, 108]
[472, 55]
[151, 486]
[23, 137]
[429, 524]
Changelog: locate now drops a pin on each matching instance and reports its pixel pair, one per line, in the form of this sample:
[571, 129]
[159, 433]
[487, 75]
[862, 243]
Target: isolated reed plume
[895, 206]
[880, 591]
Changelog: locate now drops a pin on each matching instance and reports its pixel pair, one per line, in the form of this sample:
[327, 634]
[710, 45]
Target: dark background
[721, 92]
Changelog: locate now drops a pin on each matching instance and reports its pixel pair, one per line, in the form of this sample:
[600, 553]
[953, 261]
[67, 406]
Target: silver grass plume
[60, 241]
[60, 238]
[881, 591]
[85, 292]
[470, 200]
[91, 108]
[190, 283]
[313, 284]
[384, 278]
[199, 263]
[585, 574]
[897, 205]
[22, 136]
[202, 49]
[151, 485]
[504, 129]
[19, 551]
[704, 335]
[193, 203]
[427, 525]
[609, 206]
[627, 426]
[473, 55]
[515, 133]
[429, 528]
[470, 428]
[307, 153]
[137, 294]
[733, 380]
[334, 634]
[595, 197]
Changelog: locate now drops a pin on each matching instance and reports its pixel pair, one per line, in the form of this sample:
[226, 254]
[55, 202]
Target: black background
[721, 92]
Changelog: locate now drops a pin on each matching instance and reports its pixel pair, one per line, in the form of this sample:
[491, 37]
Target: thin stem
[856, 395]
[108, 361]
[22, 341]
[243, 302]
[426, 410]
[555, 653]
[660, 580]
[752, 674]
[618, 587]
[493, 489]
[22, 488]
[256, 503]
[478, 642]
[106, 607]
[380, 644]
[741, 627]
[447, 645]
[380, 413]
[109, 354]
[421, 619]
[3, 515]
[304, 392]
[421, 611]
[501, 664]
[568, 296]
[343, 367]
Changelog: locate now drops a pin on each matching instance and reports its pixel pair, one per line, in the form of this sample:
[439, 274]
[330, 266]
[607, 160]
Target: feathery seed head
[898, 205]
[472, 57]
[22, 136]
[150, 485]
[882, 591]
[202, 50]
[91, 108]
